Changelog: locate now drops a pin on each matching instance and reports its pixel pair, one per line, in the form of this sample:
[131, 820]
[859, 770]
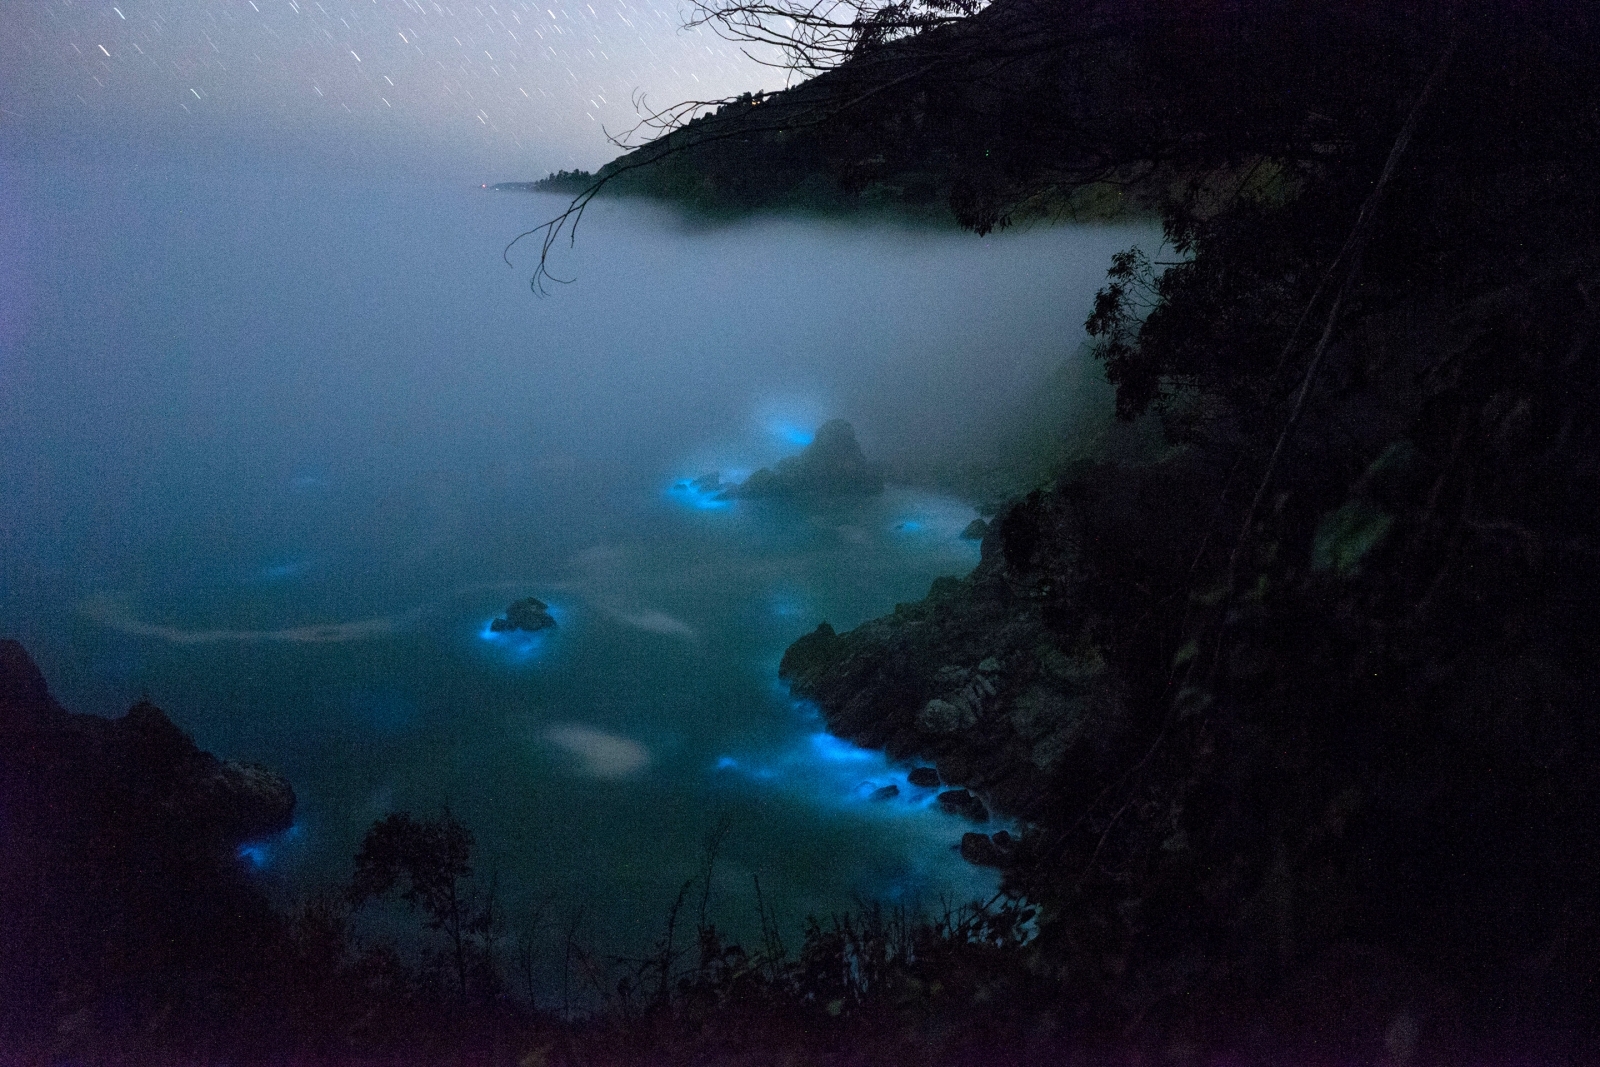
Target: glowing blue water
[265, 853]
[280, 445]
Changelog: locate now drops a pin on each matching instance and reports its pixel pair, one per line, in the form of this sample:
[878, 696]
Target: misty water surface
[281, 437]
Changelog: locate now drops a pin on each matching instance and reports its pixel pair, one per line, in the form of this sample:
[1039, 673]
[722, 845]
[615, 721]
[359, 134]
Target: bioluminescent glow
[831, 772]
[280, 571]
[790, 433]
[700, 493]
[599, 754]
[922, 519]
[832, 749]
[519, 646]
[515, 643]
[787, 607]
[791, 422]
[259, 855]
[307, 480]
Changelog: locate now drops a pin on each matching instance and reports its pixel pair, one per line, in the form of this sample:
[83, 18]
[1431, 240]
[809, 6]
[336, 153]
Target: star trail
[539, 82]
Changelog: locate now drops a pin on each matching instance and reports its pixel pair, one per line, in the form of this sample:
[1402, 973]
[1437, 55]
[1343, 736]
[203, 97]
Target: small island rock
[831, 465]
[529, 614]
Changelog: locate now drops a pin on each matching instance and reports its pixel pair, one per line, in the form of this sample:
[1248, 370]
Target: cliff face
[120, 881]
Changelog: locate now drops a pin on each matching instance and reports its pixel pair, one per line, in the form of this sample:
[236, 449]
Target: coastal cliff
[121, 886]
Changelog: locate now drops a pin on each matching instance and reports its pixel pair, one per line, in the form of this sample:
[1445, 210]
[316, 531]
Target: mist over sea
[282, 435]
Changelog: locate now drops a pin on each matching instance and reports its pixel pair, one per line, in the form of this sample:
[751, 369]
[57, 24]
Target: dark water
[281, 437]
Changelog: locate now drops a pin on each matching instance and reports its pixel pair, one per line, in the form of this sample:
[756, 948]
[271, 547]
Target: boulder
[975, 530]
[940, 716]
[924, 778]
[888, 792]
[529, 614]
[961, 802]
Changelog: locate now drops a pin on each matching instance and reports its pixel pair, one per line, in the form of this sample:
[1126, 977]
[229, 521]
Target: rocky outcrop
[832, 465]
[144, 751]
[972, 678]
[119, 855]
[529, 615]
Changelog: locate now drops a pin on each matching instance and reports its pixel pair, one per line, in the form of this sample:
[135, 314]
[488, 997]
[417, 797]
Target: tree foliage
[429, 863]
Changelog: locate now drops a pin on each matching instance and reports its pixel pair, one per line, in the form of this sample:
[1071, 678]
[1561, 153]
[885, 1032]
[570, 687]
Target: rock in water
[888, 792]
[985, 851]
[975, 530]
[831, 465]
[529, 614]
[924, 777]
[963, 803]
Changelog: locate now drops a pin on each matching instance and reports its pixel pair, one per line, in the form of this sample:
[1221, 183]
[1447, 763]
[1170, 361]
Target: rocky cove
[970, 678]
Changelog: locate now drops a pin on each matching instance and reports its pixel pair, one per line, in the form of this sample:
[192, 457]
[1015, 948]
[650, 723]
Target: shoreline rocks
[986, 682]
[962, 802]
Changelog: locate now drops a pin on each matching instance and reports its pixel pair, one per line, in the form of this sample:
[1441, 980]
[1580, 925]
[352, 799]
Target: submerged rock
[962, 802]
[529, 614]
[983, 850]
[706, 483]
[831, 465]
[888, 792]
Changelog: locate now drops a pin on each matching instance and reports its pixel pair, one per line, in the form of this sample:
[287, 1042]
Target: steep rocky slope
[122, 893]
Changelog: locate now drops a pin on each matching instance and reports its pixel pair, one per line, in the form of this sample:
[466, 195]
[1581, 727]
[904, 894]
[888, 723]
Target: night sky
[515, 87]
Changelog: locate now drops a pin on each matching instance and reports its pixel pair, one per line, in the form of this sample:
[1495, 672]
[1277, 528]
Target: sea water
[283, 436]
